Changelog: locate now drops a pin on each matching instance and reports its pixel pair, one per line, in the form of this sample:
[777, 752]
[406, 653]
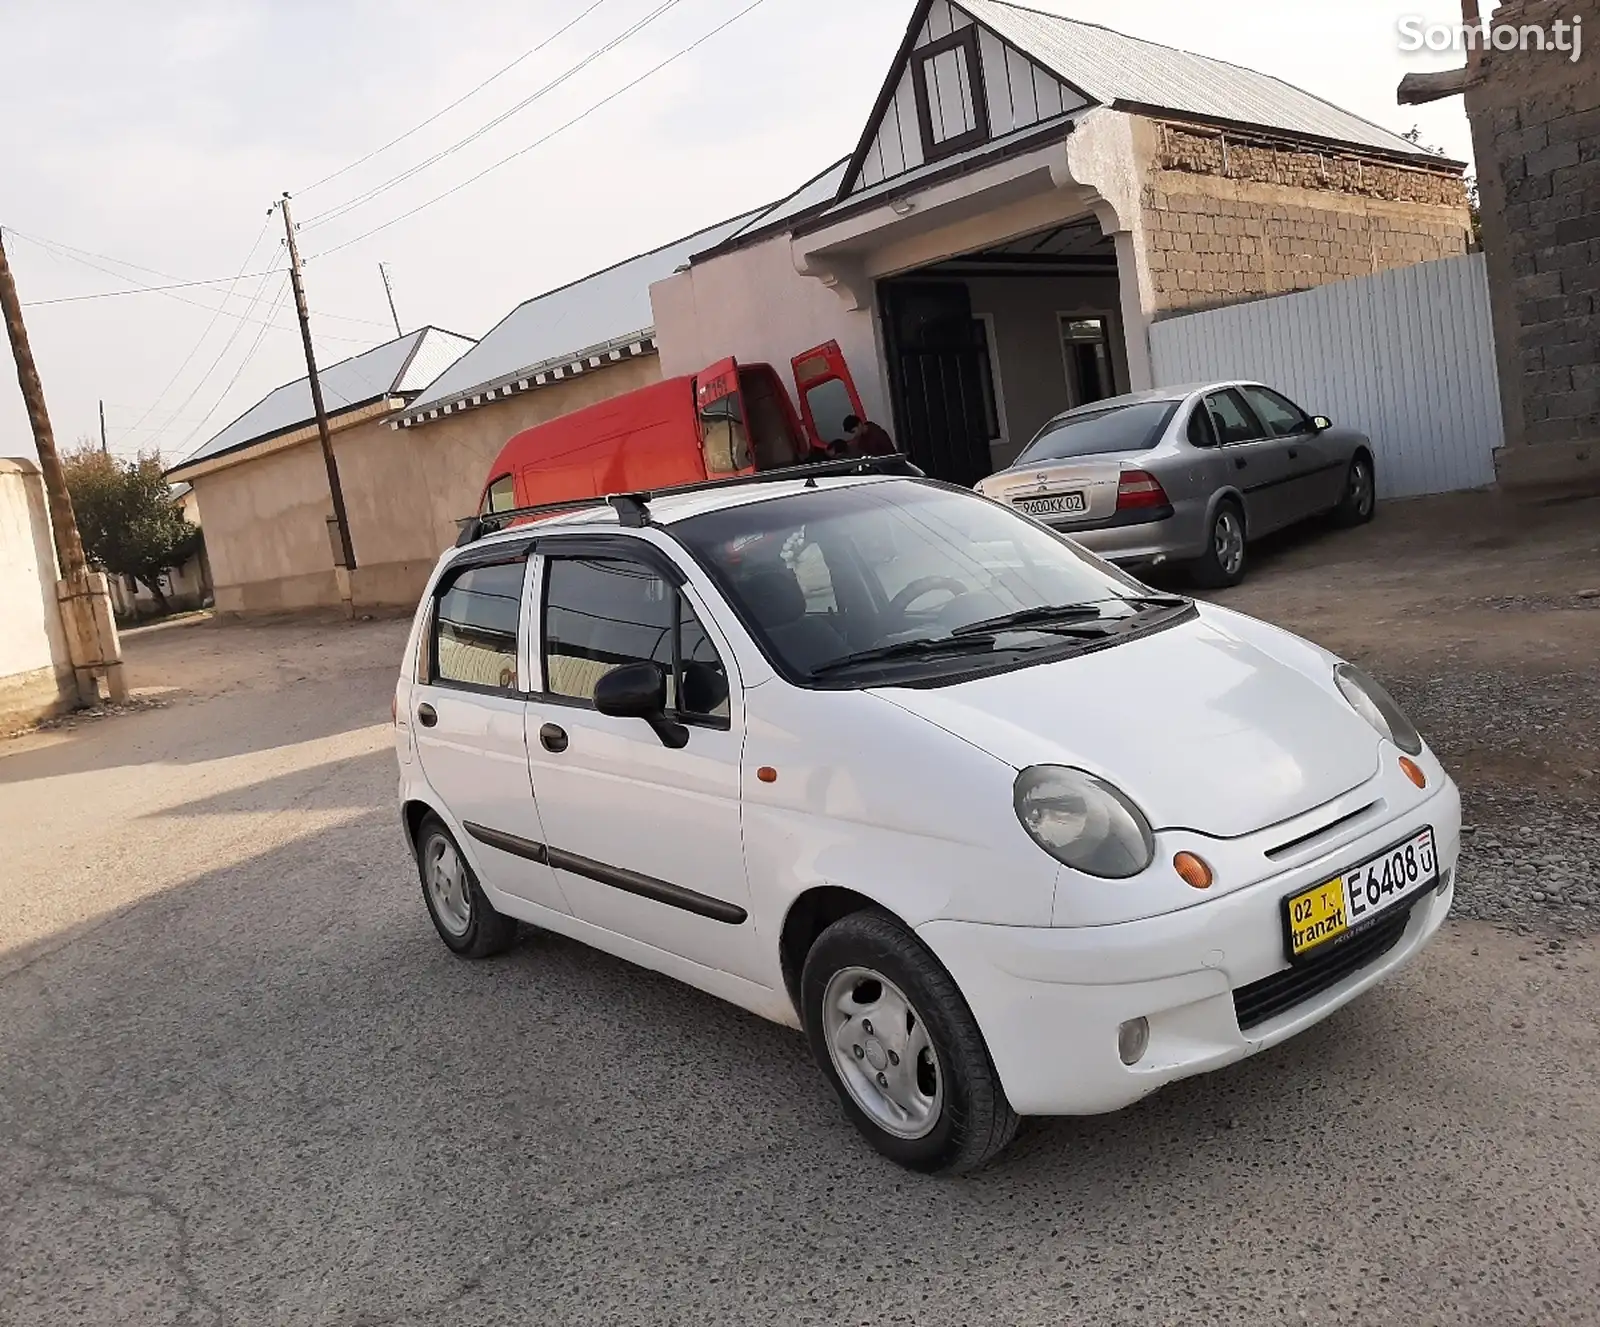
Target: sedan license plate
[1338, 908]
[1067, 504]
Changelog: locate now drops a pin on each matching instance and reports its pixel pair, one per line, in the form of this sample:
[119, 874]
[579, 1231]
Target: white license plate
[1335, 908]
[1067, 504]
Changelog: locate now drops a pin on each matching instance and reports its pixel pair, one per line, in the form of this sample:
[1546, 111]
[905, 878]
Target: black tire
[486, 932]
[975, 1121]
[1211, 570]
[1359, 503]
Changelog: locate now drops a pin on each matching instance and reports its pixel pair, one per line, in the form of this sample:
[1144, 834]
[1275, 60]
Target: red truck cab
[728, 419]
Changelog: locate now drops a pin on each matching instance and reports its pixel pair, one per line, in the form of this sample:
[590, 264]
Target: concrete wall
[1032, 373]
[35, 669]
[1228, 217]
[266, 518]
[1536, 134]
[755, 305]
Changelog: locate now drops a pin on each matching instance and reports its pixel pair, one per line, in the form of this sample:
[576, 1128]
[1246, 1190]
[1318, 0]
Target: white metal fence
[1406, 356]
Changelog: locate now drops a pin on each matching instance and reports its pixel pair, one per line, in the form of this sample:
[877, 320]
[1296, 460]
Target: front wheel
[1360, 498]
[1222, 564]
[895, 1037]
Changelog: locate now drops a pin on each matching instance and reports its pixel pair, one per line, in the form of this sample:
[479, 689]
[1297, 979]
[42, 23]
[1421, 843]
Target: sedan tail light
[1140, 489]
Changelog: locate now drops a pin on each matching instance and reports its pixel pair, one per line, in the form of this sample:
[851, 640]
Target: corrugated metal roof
[395, 368]
[1112, 67]
[553, 328]
[823, 188]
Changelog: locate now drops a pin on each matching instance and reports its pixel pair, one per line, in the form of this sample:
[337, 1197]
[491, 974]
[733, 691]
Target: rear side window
[502, 496]
[601, 613]
[1231, 417]
[475, 627]
[1201, 434]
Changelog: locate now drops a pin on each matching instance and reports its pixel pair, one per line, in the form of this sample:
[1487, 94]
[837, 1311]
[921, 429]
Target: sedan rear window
[1125, 428]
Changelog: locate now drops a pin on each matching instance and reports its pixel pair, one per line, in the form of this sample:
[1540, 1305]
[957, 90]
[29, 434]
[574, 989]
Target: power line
[583, 115]
[248, 356]
[322, 218]
[85, 256]
[499, 73]
[227, 345]
[143, 290]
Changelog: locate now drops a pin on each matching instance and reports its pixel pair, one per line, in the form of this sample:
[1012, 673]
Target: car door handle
[553, 737]
[1293, 454]
[1239, 463]
[427, 716]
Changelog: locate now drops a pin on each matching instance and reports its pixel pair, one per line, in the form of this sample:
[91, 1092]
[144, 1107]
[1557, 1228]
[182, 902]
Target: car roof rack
[633, 509]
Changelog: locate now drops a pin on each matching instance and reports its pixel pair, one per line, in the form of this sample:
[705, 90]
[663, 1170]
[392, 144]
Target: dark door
[937, 359]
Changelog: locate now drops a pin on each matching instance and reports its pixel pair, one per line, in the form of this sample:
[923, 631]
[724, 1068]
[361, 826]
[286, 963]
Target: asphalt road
[241, 1081]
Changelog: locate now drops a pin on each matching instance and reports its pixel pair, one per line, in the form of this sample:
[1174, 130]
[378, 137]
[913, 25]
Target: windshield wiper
[910, 649]
[1043, 616]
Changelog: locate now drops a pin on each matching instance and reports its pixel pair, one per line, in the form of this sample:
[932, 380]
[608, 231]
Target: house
[36, 676]
[1028, 195]
[261, 487]
[563, 350]
[1534, 106]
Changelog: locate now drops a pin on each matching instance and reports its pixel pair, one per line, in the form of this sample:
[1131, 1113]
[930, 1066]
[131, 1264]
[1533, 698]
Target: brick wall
[1536, 131]
[1229, 218]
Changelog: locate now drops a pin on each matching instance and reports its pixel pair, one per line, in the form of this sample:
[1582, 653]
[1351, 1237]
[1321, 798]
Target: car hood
[1206, 726]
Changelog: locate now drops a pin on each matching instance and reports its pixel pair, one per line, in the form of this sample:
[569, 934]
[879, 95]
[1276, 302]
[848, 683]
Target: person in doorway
[865, 438]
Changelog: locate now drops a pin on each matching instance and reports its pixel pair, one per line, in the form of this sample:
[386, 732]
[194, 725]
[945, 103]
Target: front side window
[1281, 417]
[909, 581]
[601, 613]
[475, 626]
[1127, 428]
[502, 496]
[1231, 417]
[724, 437]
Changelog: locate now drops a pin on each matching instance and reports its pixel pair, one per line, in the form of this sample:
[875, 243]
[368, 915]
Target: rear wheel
[1360, 500]
[895, 1037]
[1223, 562]
[465, 919]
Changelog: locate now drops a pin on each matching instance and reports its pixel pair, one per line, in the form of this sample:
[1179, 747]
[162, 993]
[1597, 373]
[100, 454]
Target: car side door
[468, 719]
[1256, 465]
[645, 838]
[1311, 470]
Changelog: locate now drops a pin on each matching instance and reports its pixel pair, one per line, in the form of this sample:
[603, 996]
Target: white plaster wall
[31, 637]
[753, 304]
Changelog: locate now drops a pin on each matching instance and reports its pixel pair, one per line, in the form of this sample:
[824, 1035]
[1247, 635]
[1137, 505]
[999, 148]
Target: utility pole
[104, 449]
[85, 599]
[384, 273]
[334, 490]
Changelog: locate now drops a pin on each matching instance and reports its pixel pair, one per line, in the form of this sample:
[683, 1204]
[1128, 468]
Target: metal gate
[1406, 356]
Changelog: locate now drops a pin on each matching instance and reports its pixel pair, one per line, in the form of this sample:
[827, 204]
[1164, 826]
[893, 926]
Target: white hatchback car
[1005, 831]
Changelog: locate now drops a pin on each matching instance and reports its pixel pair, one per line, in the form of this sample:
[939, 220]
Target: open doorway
[985, 348]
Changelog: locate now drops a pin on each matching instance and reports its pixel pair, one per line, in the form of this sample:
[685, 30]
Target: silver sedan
[1188, 475]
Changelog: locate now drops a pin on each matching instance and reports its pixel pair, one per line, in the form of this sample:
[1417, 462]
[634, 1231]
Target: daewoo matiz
[1002, 829]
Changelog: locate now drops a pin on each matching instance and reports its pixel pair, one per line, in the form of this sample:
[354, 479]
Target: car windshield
[848, 585]
[1135, 427]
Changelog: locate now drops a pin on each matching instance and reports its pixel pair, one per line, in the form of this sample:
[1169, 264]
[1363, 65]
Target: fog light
[1413, 771]
[1133, 1039]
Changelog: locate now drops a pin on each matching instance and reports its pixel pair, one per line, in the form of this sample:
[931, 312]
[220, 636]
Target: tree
[1474, 202]
[129, 522]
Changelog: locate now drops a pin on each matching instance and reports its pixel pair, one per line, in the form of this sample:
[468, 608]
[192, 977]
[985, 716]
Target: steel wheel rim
[1361, 488]
[446, 877]
[882, 1052]
[1228, 538]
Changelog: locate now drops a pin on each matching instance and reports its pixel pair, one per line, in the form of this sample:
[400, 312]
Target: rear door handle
[427, 716]
[1239, 463]
[1293, 454]
[553, 738]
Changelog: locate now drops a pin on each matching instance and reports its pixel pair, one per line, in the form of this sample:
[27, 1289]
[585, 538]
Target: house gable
[955, 86]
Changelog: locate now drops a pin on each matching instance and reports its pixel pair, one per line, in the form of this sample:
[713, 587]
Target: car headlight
[1378, 708]
[1083, 822]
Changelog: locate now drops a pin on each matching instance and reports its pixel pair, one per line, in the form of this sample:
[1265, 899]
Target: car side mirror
[1321, 424]
[639, 691]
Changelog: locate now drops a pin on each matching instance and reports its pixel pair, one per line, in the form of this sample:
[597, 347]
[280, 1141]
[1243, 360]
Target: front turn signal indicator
[1192, 870]
[1413, 771]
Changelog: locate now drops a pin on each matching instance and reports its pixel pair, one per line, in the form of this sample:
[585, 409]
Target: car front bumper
[1050, 1002]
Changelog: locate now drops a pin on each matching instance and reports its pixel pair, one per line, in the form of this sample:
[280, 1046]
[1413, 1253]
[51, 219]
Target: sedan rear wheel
[466, 921]
[1223, 562]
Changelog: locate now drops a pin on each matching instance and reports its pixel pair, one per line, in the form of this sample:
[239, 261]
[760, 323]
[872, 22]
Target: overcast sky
[151, 138]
